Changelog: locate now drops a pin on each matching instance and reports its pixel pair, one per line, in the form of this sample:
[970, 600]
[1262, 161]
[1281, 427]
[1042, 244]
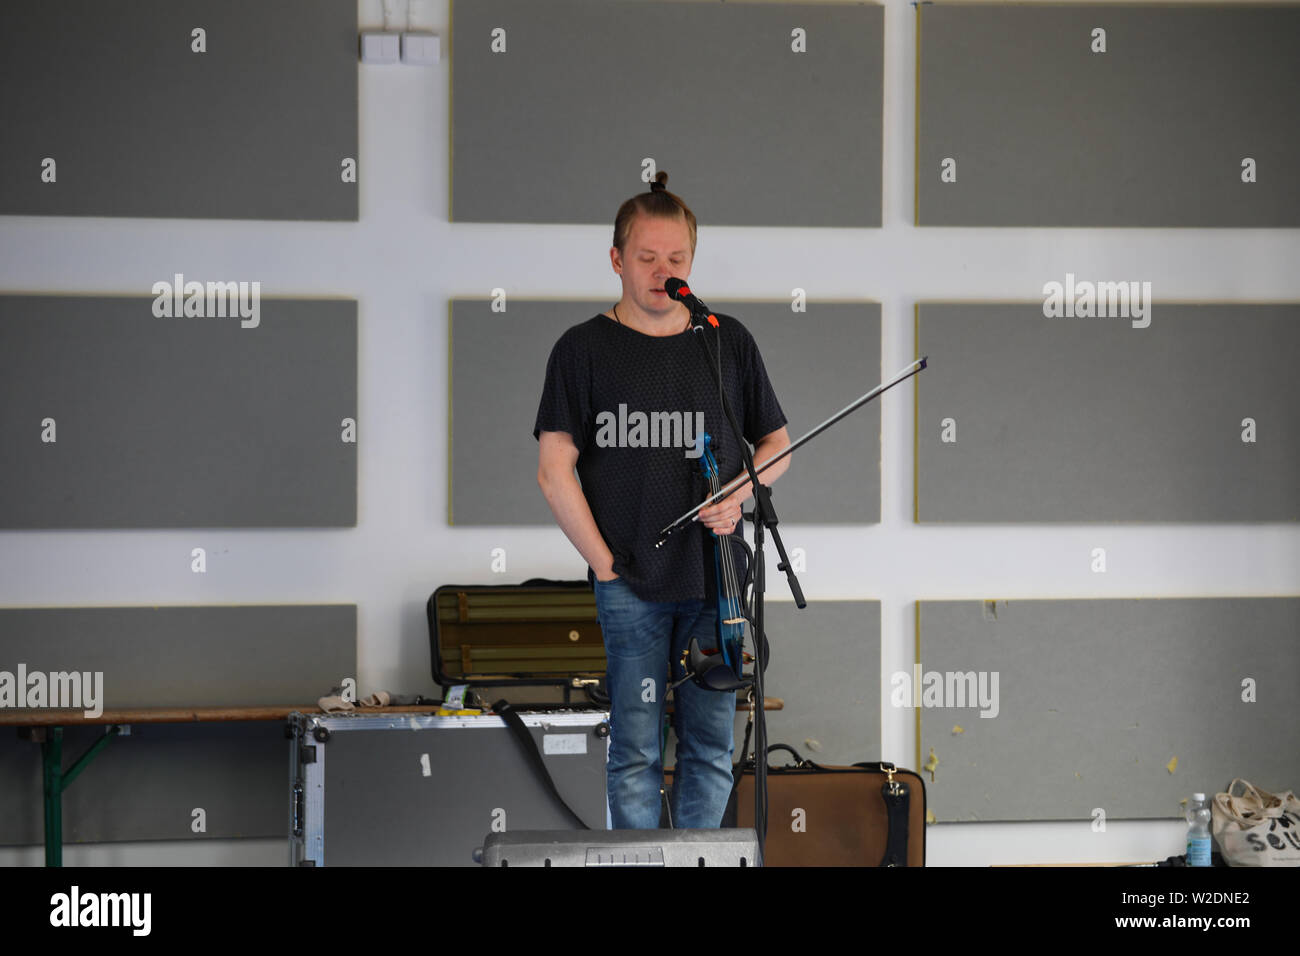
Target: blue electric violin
[721, 668]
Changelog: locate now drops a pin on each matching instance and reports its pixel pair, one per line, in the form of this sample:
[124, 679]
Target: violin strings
[731, 584]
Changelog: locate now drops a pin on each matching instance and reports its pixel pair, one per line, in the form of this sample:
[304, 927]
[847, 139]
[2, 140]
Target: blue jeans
[644, 641]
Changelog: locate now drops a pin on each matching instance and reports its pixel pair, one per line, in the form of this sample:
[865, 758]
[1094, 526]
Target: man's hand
[557, 456]
[723, 517]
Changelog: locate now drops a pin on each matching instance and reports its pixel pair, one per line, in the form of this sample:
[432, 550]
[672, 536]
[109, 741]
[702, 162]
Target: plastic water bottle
[1198, 831]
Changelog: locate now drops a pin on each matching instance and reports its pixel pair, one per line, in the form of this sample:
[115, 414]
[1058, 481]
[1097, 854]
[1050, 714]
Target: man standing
[626, 394]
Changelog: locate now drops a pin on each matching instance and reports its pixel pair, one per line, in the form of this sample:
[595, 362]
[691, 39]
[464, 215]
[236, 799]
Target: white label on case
[564, 743]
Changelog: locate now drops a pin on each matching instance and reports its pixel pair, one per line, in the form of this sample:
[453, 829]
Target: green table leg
[56, 781]
[52, 753]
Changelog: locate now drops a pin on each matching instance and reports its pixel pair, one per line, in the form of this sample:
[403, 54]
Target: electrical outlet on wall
[421, 49]
[378, 47]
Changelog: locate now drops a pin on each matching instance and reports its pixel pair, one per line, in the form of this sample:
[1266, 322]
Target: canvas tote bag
[1256, 828]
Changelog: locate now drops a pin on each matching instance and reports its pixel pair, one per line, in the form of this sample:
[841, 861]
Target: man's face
[656, 249]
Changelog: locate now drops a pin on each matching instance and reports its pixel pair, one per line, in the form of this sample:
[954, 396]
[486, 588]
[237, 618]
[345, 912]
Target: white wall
[403, 261]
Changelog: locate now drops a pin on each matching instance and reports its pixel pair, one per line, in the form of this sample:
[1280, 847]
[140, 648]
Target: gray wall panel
[189, 656]
[146, 786]
[256, 127]
[176, 422]
[1096, 698]
[1091, 419]
[817, 361]
[825, 665]
[555, 128]
[1152, 132]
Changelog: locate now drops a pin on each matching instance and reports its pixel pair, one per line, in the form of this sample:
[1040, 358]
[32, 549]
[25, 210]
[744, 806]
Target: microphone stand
[764, 518]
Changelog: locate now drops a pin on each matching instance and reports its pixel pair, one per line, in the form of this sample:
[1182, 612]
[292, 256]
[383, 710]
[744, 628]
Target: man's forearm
[762, 452]
[573, 514]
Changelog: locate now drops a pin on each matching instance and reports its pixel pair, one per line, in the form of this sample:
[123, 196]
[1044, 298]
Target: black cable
[760, 637]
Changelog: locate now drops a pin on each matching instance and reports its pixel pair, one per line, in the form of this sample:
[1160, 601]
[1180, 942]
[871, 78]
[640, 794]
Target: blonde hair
[657, 202]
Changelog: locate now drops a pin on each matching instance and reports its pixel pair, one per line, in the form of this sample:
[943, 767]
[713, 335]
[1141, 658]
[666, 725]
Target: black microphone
[679, 291]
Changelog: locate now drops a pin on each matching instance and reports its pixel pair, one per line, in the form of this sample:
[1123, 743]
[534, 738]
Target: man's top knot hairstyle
[657, 202]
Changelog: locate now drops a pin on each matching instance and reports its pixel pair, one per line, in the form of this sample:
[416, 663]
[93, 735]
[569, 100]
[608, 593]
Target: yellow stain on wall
[931, 764]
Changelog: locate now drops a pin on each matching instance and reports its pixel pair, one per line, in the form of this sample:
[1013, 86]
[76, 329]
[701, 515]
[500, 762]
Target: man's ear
[616, 259]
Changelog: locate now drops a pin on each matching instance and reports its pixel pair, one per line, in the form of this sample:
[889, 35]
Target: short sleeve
[566, 393]
[763, 414]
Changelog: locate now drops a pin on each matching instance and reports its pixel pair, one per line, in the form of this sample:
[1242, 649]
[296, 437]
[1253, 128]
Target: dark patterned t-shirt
[634, 404]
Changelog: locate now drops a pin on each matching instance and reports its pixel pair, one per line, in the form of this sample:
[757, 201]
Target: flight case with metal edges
[394, 789]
